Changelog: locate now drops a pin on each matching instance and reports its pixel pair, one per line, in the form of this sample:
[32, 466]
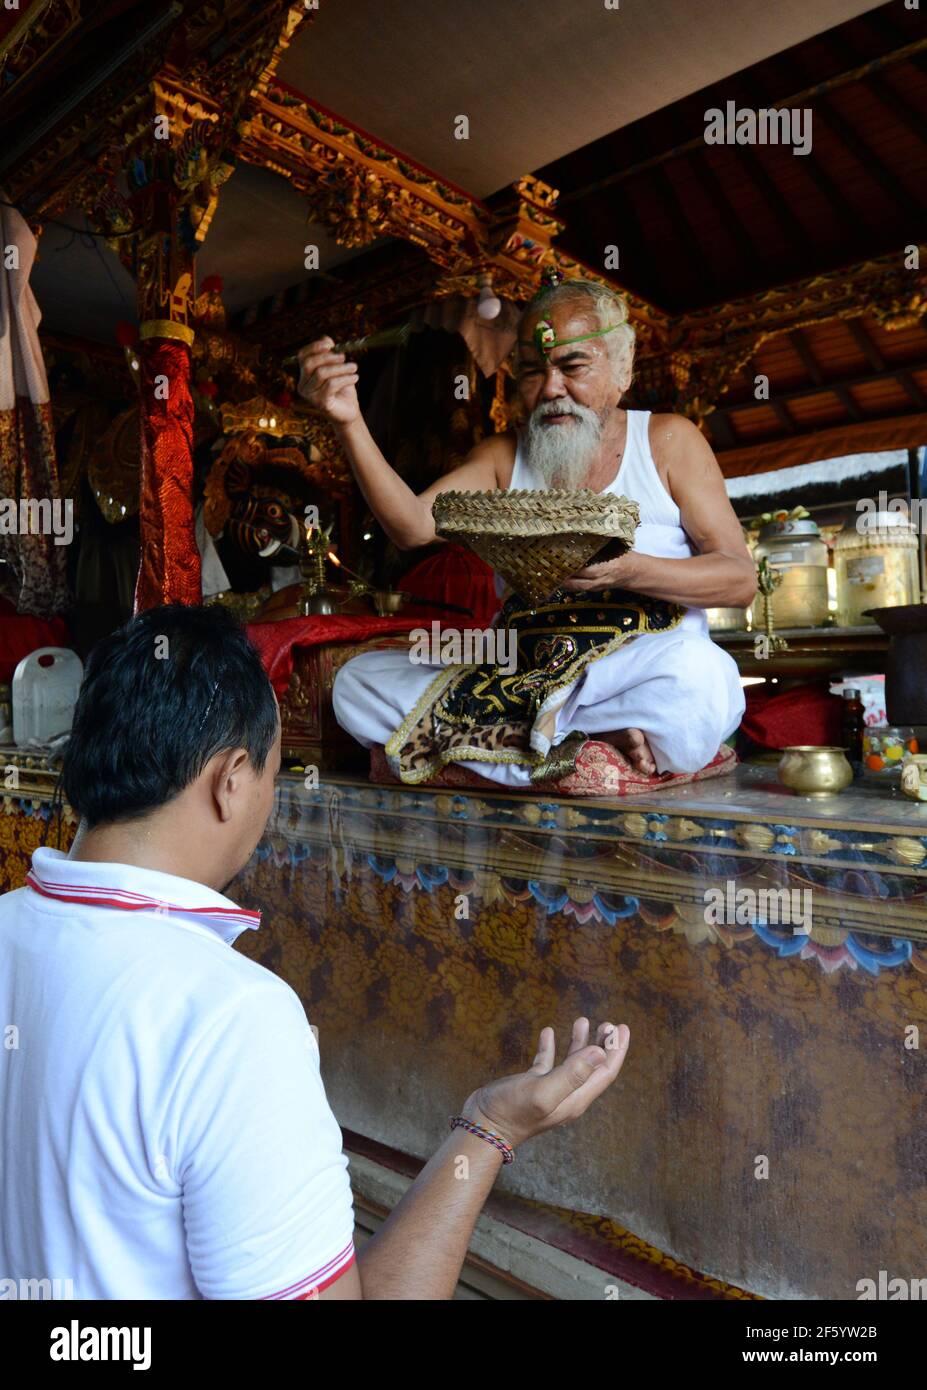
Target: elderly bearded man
[668, 697]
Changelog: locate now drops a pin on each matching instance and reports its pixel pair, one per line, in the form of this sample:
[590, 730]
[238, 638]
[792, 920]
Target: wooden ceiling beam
[731, 216]
[782, 412]
[722, 431]
[781, 210]
[829, 191]
[902, 196]
[913, 52]
[899, 105]
[914, 391]
[865, 344]
[848, 403]
[681, 225]
[811, 163]
[878, 363]
[833, 387]
[629, 238]
[799, 342]
[844, 131]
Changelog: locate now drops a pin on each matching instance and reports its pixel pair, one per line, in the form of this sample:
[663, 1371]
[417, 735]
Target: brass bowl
[387, 601]
[810, 770]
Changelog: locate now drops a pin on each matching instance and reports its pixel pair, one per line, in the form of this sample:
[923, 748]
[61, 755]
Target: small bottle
[851, 729]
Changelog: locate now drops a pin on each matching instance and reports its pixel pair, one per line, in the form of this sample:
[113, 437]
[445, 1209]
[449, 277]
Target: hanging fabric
[35, 525]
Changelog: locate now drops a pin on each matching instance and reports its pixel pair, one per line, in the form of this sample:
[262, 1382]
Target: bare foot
[634, 746]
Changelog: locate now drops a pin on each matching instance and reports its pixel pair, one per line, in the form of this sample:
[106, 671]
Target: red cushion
[779, 718]
[454, 574]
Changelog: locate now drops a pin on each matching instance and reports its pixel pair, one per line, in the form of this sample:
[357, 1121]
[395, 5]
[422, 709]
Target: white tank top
[660, 531]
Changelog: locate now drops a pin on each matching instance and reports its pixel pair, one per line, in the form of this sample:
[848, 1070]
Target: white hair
[610, 309]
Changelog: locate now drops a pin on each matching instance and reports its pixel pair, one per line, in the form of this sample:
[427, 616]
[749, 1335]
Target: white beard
[562, 454]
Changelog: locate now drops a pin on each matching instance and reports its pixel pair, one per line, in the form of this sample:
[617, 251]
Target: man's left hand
[610, 574]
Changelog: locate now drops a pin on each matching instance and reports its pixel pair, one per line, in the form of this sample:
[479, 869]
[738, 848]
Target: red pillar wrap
[169, 569]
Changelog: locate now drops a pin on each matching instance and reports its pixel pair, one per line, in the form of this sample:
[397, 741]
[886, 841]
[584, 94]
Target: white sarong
[679, 688]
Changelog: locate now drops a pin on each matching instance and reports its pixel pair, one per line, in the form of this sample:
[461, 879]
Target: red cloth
[275, 641]
[454, 574]
[778, 719]
[169, 571]
[21, 634]
[600, 771]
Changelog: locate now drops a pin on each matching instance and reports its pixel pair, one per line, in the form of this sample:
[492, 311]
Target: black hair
[160, 697]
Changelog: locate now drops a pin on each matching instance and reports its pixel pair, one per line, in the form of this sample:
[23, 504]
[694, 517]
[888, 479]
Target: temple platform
[767, 1135]
[767, 1132]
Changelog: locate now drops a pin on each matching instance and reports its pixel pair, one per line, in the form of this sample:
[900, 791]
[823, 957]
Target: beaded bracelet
[490, 1135]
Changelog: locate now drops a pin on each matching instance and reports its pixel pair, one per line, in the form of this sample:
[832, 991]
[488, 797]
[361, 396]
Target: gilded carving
[906, 851]
[40, 28]
[754, 836]
[635, 825]
[685, 829]
[818, 842]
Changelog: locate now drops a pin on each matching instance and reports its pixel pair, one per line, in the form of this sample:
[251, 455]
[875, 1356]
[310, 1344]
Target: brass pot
[388, 601]
[727, 619]
[815, 771]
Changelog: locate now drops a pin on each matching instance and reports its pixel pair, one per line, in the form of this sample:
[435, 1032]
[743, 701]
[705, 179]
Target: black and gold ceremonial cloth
[488, 713]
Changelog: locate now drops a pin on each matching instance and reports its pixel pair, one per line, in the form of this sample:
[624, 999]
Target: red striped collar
[313, 1284]
[131, 889]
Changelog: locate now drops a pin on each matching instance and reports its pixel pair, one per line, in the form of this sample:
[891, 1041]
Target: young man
[164, 1131]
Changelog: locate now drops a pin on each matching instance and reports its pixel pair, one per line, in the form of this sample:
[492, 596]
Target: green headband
[545, 340]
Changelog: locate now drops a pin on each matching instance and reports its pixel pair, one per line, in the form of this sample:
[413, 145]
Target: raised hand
[328, 381]
[521, 1106]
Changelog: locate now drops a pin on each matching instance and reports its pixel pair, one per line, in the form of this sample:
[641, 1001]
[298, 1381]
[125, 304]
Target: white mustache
[562, 408]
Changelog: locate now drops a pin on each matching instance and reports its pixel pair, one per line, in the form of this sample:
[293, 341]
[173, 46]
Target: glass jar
[876, 562]
[885, 746]
[797, 551]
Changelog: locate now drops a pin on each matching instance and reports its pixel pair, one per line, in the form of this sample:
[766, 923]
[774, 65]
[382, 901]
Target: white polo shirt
[164, 1131]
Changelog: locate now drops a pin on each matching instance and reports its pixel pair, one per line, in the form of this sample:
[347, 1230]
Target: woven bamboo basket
[536, 540]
